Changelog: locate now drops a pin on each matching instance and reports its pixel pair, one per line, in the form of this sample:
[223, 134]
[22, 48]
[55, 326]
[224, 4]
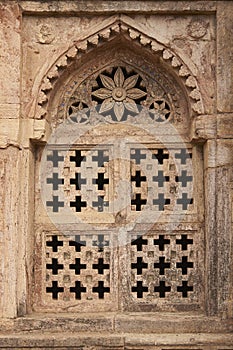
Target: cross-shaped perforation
[77, 243]
[54, 266]
[184, 289]
[55, 204]
[139, 242]
[101, 181]
[78, 289]
[55, 158]
[161, 242]
[55, 181]
[54, 243]
[78, 266]
[184, 201]
[78, 158]
[100, 266]
[162, 265]
[137, 155]
[78, 181]
[184, 242]
[54, 289]
[101, 289]
[101, 157]
[162, 289]
[138, 202]
[184, 265]
[100, 242]
[140, 289]
[138, 178]
[183, 155]
[160, 155]
[100, 204]
[78, 204]
[139, 265]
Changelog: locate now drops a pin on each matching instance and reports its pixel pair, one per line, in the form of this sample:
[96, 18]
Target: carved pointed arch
[110, 31]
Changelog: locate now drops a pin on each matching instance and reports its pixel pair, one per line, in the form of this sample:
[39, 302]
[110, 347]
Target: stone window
[119, 191]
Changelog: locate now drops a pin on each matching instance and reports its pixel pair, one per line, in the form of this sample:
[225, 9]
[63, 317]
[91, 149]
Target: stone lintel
[100, 6]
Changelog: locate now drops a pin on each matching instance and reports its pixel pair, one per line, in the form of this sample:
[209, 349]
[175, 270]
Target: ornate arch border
[110, 31]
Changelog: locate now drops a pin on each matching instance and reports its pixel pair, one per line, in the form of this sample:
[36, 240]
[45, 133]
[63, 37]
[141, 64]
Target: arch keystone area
[107, 33]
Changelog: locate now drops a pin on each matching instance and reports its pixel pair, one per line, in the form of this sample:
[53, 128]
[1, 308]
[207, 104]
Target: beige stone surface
[55, 54]
[224, 55]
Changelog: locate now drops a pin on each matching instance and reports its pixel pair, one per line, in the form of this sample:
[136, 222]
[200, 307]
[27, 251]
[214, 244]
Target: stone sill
[116, 323]
[120, 341]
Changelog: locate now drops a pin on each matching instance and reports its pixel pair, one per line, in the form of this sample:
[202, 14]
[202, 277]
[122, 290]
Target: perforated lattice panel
[161, 179]
[77, 270]
[82, 177]
[164, 266]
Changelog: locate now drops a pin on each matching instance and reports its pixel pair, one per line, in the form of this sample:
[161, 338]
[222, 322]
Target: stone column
[224, 158]
[9, 154]
[217, 131]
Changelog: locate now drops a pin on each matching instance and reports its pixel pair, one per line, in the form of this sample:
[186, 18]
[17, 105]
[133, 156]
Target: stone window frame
[166, 56]
[204, 132]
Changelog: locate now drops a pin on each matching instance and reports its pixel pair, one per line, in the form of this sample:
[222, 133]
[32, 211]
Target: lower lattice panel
[89, 270]
[165, 267]
[77, 267]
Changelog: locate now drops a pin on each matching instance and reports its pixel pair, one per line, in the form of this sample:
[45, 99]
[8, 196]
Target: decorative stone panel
[76, 272]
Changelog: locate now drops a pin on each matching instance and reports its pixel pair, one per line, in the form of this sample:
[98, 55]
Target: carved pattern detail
[163, 266]
[154, 183]
[77, 267]
[107, 34]
[121, 93]
[84, 180]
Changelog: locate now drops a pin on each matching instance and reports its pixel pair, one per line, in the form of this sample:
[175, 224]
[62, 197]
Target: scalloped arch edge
[107, 33]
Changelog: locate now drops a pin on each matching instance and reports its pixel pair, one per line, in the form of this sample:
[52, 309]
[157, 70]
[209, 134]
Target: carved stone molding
[205, 127]
[215, 126]
[113, 28]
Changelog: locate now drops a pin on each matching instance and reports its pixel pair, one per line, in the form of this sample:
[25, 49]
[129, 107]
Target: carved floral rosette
[128, 89]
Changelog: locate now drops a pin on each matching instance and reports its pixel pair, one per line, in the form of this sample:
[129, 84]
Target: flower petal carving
[119, 77]
[107, 82]
[135, 93]
[106, 105]
[119, 110]
[102, 93]
[130, 82]
[131, 105]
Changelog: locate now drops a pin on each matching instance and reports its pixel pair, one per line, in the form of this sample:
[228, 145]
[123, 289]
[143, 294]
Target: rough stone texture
[225, 54]
[45, 47]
